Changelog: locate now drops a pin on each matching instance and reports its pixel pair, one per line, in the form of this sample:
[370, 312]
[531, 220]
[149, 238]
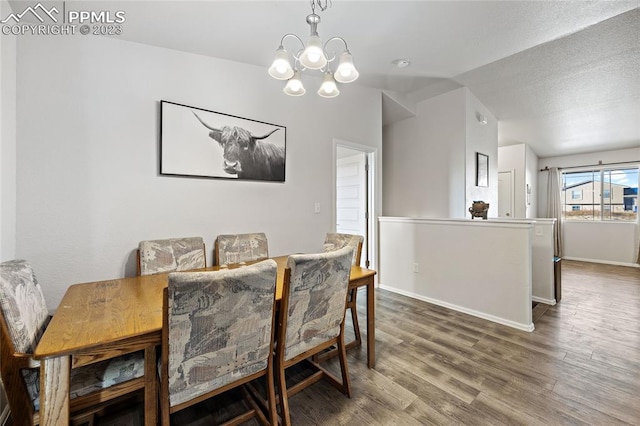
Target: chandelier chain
[322, 5]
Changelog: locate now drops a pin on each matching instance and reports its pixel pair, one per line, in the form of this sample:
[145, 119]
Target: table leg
[371, 324]
[150, 388]
[55, 375]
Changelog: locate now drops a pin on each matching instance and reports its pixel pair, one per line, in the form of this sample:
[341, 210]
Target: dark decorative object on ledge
[479, 209]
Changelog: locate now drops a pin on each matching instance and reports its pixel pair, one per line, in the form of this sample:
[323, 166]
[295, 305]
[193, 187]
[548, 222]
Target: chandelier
[313, 56]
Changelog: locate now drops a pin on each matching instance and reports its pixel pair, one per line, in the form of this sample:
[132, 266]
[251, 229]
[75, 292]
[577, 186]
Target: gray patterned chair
[23, 320]
[217, 334]
[174, 254]
[311, 319]
[334, 241]
[240, 248]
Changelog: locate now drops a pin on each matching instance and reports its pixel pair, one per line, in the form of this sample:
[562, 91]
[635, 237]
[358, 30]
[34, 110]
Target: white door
[505, 194]
[351, 197]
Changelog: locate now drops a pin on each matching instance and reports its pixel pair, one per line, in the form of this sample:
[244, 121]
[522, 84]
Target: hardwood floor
[581, 365]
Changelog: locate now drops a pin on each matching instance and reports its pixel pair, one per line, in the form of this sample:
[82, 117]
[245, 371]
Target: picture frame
[196, 142]
[482, 169]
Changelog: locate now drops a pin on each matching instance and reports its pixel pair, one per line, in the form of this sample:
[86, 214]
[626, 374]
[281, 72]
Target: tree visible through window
[602, 194]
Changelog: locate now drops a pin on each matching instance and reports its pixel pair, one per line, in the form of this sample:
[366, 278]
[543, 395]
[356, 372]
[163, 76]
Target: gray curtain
[638, 239]
[554, 207]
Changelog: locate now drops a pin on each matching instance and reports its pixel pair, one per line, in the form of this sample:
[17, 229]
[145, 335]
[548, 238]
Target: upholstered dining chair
[218, 334]
[174, 254]
[238, 248]
[334, 241]
[311, 319]
[23, 320]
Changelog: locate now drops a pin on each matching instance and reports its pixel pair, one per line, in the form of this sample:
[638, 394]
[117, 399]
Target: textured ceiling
[560, 76]
[580, 93]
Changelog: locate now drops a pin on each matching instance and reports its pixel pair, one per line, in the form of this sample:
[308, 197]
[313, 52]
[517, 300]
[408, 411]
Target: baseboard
[605, 262]
[492, 318]
[542, 300]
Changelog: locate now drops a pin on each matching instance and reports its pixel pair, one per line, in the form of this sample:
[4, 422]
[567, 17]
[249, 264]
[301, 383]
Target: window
[605, 194]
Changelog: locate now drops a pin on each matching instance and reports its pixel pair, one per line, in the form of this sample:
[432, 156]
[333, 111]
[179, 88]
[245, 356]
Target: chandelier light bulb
[346, 72]
[313, 56]
[328, 89]
[281, 68]
[294, 86]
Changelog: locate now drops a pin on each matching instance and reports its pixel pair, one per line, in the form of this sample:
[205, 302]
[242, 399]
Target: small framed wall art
[482, 169]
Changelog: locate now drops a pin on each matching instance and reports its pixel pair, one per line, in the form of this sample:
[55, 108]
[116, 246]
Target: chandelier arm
[295, 56]
[334, 54]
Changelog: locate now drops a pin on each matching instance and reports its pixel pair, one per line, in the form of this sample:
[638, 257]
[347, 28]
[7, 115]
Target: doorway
[354, 195]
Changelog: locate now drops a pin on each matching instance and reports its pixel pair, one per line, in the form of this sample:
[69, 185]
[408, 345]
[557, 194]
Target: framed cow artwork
[201, 143]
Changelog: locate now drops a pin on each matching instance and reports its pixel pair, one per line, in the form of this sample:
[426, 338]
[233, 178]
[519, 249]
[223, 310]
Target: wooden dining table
[103, 319]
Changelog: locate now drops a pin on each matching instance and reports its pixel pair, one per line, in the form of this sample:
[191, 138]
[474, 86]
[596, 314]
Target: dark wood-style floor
[581, 365]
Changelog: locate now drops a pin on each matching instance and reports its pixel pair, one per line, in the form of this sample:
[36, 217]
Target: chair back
[218, 329]
[23, 319]
[22, 304]
[237, 248]
[335, 241]
[315, 293]
[174, 254]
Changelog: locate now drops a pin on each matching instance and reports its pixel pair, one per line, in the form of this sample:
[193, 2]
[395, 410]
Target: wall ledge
[491, 222]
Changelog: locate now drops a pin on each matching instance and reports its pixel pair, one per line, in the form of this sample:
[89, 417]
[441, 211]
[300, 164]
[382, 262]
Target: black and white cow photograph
[202, 143]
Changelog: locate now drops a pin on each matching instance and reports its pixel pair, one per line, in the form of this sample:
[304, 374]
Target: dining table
[104, 319]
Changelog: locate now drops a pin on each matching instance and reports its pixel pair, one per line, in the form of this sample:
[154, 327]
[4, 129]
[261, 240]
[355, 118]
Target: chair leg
[163, 401]
[354, 315]
[165, 418]
[342, 354]
[271, 397]
[284, 401]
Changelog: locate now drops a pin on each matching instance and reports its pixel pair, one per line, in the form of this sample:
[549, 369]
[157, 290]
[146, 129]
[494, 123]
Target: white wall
[482, 138]
[606, 242]
[424, 159]
[429, 160]
[7, 141]
[7, 158]
[600, 242]
[89, 189]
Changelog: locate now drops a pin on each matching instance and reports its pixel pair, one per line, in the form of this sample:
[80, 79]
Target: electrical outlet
[316, 208]
[416, 268]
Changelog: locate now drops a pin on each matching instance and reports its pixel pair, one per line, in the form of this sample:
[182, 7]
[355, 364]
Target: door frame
[371, 155]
